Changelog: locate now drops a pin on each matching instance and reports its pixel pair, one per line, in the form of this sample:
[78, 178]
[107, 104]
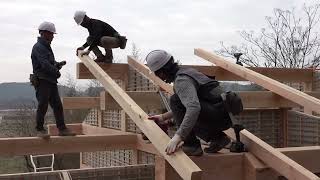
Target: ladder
[37, 169]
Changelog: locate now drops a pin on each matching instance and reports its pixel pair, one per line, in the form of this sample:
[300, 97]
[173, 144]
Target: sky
[177, 26]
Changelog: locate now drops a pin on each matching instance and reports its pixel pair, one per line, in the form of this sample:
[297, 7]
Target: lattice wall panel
[132, 127]
[111, 119]
[265, 124]
[108, 158]
[145, 158]
[303, 130]
[92, 117]
[137, 82]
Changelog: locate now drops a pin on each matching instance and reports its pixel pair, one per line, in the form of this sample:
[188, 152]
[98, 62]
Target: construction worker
[100, 34]
[44, 79]
[196, 107]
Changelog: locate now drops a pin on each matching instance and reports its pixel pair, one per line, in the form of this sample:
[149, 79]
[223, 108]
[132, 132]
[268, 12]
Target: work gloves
[174, 144]
[82, 53]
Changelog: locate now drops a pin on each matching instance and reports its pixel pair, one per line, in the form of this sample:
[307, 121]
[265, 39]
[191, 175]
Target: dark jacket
[43, 61]
[98, 29]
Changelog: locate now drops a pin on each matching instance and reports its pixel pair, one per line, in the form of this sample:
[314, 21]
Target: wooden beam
[180, 161]
[280, 74]
[80, 102]
[272, 157]
[266, 82]
[65, 144]
[76, 128]
[114, 70]
[308, 157]
[94, 130]
[145, 99]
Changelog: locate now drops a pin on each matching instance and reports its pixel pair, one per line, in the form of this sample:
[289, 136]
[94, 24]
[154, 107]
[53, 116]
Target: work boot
[217, 145]
[100, 59]
[66, 132]
[43, 134]
[192, 150]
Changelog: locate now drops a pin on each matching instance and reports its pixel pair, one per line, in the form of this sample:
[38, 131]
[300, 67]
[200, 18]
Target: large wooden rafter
[184, 166]
[269, 155]
[283, 90]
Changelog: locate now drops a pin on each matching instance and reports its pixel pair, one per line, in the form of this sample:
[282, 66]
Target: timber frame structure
[261, 162]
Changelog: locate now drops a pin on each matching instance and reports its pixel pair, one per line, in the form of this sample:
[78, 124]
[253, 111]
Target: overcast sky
[177, 26]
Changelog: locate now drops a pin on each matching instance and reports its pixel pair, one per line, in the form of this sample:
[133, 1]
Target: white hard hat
[156, 59]
[78, 16]
[47, 26]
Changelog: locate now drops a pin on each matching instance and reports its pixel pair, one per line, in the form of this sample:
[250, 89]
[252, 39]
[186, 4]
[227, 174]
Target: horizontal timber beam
[146, 100]
[114, 70]
[184, 166]
[65, 144]
[80, 102]
[283, 90]
[75, 128]
[308, 157]
[269, 155]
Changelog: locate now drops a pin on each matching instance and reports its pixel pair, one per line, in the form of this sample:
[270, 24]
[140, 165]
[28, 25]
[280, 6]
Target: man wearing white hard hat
[100, 34]
[197, 107]
[44, 79]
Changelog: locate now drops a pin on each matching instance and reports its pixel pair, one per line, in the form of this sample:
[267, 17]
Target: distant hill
[15, 94]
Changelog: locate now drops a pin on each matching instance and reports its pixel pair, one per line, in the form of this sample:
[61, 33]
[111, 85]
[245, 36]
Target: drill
[237, 146]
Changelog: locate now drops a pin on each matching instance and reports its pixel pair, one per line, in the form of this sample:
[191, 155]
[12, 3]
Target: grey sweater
[186, 88]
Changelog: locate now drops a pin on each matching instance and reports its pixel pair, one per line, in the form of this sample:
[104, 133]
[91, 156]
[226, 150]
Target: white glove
[82, 53]
[174, 144]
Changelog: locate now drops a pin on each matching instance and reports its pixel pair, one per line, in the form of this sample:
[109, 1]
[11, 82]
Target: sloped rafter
[283, 90]
[269, 155]
[184, 166]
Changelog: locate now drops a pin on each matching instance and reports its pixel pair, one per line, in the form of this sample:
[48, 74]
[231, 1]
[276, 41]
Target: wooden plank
[179, 161]
[92, 130]
[145, 100]
[65, 144]
[272, 157]
[254, 169]
[80, 102]
[283, 90]
[115, 71]
[76, 128]
[308, 157]
[280, 74]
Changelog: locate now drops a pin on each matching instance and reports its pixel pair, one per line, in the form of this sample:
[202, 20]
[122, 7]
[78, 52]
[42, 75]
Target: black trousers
[212, 121]
[47, 93]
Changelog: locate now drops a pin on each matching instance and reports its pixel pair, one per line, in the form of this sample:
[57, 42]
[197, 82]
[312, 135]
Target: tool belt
[34, 80]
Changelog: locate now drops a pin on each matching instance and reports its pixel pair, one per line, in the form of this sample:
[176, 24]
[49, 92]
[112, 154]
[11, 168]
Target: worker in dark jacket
[196, 107]
[46, 72]
[100, 34]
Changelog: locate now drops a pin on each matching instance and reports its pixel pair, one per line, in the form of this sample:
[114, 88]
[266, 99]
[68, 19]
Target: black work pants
[47, 93]
[212, 121]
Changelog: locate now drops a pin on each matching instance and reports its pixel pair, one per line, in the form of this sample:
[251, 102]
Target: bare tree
[289, 41]
[135, 52]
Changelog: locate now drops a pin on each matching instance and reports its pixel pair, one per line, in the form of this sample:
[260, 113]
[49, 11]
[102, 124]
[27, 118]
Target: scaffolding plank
[185, 167]
[269, 155]
[283, 90]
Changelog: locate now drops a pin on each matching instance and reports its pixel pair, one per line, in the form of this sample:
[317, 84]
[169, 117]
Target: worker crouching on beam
[100, 34]
[197, 107]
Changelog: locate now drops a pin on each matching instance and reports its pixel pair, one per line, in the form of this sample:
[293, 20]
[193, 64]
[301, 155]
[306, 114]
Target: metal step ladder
[38, 169]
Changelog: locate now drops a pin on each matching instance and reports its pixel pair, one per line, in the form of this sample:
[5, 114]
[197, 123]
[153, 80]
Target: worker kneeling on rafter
[100, 34]
[196, 107]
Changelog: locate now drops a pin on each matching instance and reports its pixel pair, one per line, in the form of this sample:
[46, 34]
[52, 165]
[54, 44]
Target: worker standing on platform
[196, 107]
[100, 34]
[44, 79]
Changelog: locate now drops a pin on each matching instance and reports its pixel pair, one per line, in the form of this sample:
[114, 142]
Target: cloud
[175, 25]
